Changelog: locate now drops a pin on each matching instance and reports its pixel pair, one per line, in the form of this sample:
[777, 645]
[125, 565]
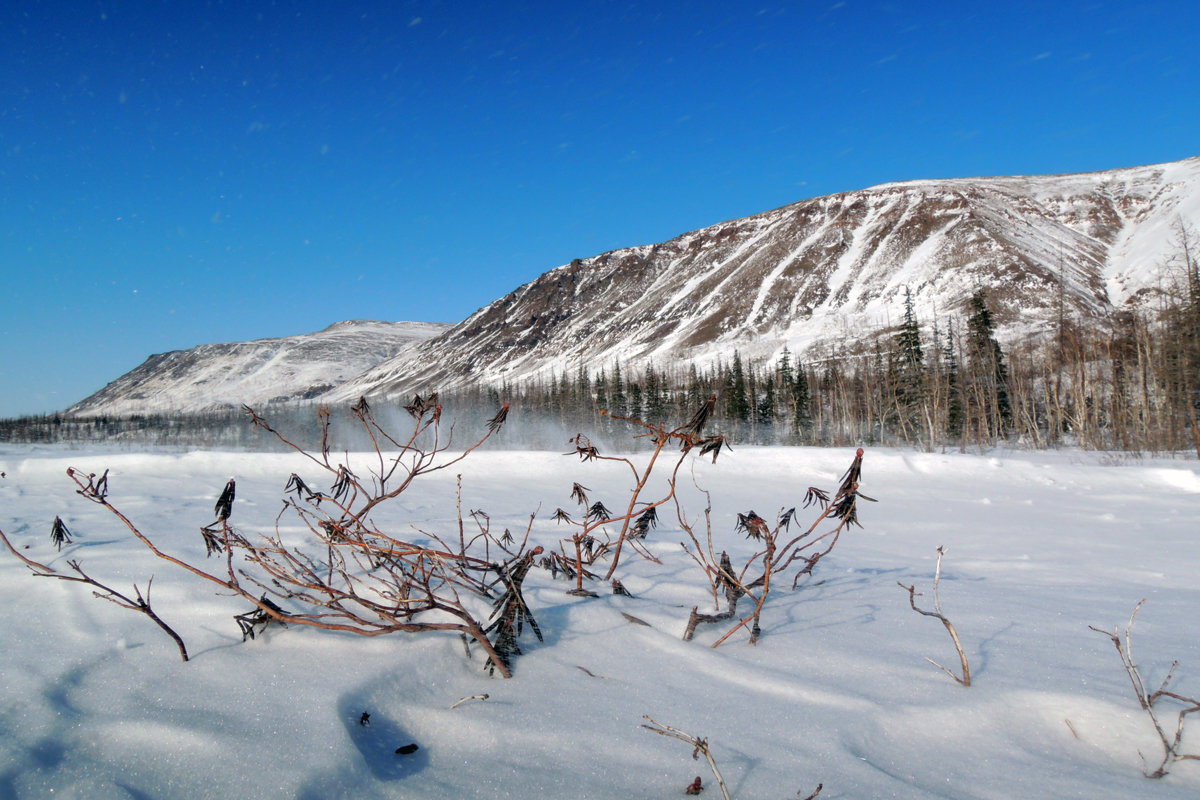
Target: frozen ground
[96, 703]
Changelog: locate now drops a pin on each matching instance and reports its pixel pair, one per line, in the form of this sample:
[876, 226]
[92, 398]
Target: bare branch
[1171, 744]
[700, 745]
[139, 602]
[965, 679]
[468, 699]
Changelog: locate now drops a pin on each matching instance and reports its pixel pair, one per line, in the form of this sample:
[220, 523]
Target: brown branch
[965, 680]
[141, 604]
[36, 566]
[700, 745]
[1170, 744]
[138, 603]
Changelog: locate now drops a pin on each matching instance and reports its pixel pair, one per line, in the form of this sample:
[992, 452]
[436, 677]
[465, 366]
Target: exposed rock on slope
[823, 271]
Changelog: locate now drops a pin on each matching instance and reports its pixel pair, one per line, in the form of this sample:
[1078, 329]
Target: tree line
[1129, 383]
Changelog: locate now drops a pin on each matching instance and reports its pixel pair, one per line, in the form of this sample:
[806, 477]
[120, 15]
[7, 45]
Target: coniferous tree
[766, 408]
[954, 399]
[738, 404]
[601, 392]
[585, 405]
[784, 367]
[800, 400]
[908, 343]
[697, 389]
[906, 370]
[654, 398]
[989, 375]
[752, 401]
[617, 398]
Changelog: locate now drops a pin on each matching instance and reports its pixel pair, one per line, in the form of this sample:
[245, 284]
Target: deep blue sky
[176, 173]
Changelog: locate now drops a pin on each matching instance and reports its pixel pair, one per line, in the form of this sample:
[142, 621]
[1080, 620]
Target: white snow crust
[96, 703]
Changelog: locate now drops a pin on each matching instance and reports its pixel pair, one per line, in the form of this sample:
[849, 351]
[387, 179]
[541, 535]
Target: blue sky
[177, 173]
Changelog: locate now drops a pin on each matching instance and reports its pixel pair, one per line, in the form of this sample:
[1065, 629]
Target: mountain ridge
[816, 276]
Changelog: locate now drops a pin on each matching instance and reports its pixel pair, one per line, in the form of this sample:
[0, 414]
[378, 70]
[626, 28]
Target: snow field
[97, 704]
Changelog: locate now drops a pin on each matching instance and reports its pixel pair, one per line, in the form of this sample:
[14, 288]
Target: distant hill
[214, 376]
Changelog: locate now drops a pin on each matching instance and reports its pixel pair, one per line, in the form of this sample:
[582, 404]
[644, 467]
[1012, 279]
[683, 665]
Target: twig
[1170, 745]
[138, 603]
[466, 699]
[700, 745]
[965, 680]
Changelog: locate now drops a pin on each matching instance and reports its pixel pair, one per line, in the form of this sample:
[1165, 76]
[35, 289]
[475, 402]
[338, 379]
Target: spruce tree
[766, 407]
[954, 400]
[908, 339]
[784, 367]
[907, 367]
[739, 405]
[987, 364]
[696, 392]
[801, 414]
[619, 405]
[654, 396]
[601, 392]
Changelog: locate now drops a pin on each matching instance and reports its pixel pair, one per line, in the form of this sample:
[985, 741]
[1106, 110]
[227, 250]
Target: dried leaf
[59, 535]
[224, 506]
[497, 421]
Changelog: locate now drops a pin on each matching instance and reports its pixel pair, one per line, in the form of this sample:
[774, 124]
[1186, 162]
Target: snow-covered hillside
[96, 703]
[255, 373]
[828, 272]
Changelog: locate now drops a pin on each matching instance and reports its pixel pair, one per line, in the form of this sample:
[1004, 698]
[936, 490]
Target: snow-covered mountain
[826, 272]
[258, 372]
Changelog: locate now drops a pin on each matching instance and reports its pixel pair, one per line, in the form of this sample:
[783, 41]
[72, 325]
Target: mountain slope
[826, 272]
[257, 372]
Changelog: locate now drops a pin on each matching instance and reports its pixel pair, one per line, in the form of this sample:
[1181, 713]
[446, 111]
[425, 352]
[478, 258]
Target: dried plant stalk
[700, 745]
[913, 594]
[1170, 743]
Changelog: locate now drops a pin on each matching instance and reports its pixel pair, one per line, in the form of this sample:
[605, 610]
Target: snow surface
[96, 703]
